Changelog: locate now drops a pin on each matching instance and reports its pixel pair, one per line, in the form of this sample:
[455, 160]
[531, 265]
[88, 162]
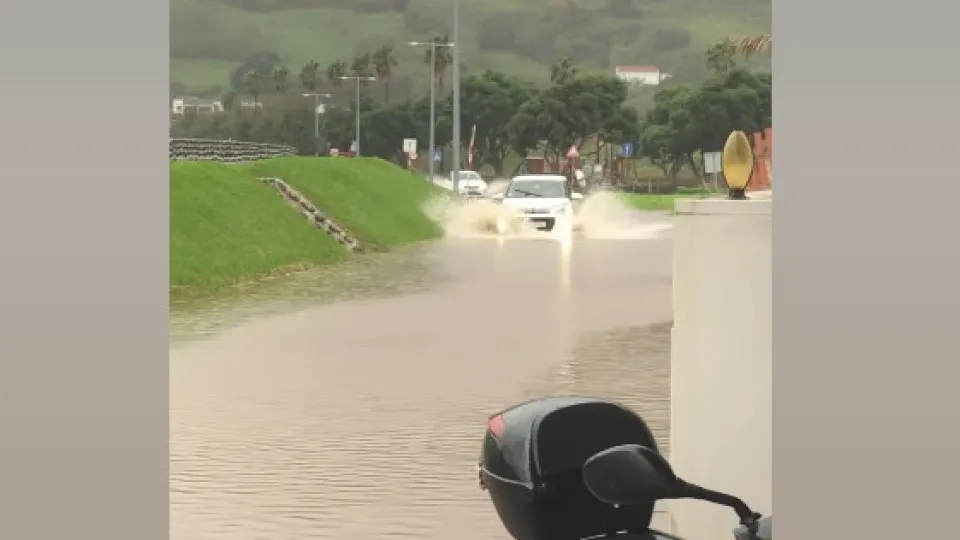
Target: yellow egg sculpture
[737, 164]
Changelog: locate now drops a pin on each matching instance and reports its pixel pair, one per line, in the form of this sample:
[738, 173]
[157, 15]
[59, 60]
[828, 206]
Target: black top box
[531, 464]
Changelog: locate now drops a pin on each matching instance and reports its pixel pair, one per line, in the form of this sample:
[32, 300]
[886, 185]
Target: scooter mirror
[631, 474]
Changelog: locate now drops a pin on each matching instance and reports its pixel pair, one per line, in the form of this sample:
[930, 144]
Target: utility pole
[358, 79]
[316, 117]
[433, 98]
[456, 97]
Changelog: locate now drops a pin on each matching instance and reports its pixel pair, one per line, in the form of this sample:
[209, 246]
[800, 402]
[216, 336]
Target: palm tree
[750, 45]
[443, 58]
[384, 60]
[254, 83]
[361, 65]
[335, 71]
[310, 76]
[281, 79]
[746, 46]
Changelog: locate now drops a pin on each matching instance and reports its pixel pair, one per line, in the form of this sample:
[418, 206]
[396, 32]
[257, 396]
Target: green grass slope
[520, 37]
[228, 227]
[378, 202]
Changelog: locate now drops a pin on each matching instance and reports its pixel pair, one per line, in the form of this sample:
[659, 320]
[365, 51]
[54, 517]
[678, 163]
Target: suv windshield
[548, 189]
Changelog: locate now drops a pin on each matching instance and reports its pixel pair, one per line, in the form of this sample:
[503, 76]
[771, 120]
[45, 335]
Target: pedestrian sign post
[712, 165]
[437, 155]
[626, 150]
[409, 146]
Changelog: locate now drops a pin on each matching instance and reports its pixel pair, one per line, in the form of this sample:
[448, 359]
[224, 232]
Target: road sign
[409, 146]
[321, 108]
[626, 149]
[711, 162]
[572, 152]
[353, 146]
[437, 155]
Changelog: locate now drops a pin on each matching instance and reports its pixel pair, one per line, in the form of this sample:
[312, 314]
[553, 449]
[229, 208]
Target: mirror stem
[748, 518]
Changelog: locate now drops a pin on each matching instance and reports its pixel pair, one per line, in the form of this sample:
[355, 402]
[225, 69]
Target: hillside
[210, 38]
[228, 227]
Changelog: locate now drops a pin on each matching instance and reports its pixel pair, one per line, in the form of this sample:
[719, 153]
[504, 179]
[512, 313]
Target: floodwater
[349, 403]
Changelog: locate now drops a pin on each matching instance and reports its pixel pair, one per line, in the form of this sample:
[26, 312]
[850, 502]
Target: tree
[384, 60]
[228, 100]
[335, 71]
[255, 84]
[721, 57]
[310, 76]
[562, 71]
[443, 58]
[570, 111]
[686, 121]
[384, 128]
[361, 65]
[489, 100]
[281, 79]
[262, 62]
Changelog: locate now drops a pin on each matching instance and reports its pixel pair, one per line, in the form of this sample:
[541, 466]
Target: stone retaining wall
[313, 214]
[226, 151]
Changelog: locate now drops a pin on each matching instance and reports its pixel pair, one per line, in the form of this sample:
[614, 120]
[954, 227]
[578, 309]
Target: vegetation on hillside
[227, 227]
[210, 39]
[380, 204]
[514, 117]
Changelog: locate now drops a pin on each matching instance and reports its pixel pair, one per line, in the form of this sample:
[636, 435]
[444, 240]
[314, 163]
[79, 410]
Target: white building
[183, 104]
[641, 75]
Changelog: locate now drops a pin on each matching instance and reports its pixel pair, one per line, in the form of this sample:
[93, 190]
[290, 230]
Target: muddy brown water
[349, 403]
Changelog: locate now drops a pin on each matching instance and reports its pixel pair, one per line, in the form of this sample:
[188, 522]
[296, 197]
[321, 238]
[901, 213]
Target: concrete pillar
[721, 408]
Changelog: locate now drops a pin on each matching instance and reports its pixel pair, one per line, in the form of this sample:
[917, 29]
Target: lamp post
[433, 98]
[737, 162]
[358, 79]
[316, 117]
[456, 97]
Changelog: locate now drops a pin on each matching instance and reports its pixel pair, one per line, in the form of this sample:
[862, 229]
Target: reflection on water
[361, 417]
[372, 275]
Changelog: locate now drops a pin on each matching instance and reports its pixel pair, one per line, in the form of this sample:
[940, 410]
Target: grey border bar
[84, 400]
[865, 270]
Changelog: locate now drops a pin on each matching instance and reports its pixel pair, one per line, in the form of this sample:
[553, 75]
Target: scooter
[631, 474]
[575, 468]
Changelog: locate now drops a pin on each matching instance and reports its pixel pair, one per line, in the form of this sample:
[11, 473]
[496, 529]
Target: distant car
[542, 200]
[471, 183]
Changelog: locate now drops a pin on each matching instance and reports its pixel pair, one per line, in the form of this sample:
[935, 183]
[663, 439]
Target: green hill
[227, 227]
[210, 38]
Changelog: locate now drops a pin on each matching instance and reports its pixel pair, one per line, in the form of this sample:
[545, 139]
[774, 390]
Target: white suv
[542, 200]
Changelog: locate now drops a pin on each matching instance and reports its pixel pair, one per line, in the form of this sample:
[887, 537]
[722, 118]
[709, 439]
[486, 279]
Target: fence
[226, 151]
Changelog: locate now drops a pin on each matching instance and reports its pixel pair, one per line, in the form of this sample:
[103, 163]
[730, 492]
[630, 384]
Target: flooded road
[350, 404]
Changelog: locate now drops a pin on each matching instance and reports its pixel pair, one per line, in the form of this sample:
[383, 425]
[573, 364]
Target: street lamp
[316, 116]
[433, 100]
[737, 162]
[359, 79]
[456, 98]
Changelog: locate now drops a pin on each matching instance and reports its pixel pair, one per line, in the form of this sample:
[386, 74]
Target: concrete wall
[721, 408]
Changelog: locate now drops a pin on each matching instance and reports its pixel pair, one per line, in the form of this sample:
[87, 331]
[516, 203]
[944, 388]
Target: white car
[542, 200]
[470, 183]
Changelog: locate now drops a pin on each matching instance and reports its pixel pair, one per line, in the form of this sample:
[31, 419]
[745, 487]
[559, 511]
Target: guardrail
[226, 151]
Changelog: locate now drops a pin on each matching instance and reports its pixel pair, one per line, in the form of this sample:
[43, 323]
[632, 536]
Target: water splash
[601, 215]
